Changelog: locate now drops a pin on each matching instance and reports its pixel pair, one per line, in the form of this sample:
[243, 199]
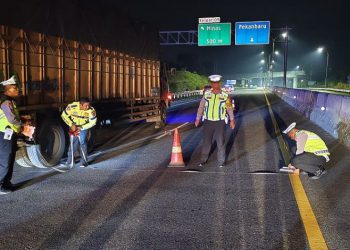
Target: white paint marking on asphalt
[191, 171]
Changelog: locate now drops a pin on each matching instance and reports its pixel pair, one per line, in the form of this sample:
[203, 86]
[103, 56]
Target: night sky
[313, 23]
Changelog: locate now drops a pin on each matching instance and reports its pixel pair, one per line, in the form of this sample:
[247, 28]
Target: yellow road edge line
[312, 228]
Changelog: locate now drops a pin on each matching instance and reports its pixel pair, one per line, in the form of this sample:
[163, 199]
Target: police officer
[80, 117]
[213, 108]
[10, 127]
[311, 152]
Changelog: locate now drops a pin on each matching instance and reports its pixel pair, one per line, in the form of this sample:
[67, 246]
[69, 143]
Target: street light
[285, 58]
[320, 50]
[285, 40]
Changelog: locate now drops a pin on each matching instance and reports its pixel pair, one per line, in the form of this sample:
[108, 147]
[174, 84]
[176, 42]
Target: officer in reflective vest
[10, 127]
[80, 117]
[311, 152]
[213, 110]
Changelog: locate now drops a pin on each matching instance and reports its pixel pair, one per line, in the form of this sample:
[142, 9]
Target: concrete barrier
[329, 111]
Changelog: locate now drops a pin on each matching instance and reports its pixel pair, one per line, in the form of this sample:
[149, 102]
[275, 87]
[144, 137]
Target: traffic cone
[176, 152]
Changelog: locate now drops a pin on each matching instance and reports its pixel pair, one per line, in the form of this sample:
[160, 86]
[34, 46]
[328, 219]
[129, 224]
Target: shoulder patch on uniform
[228, 103]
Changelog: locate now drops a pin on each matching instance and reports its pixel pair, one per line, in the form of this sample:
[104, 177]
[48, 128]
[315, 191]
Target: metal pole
[285, 59]
[267, 81]
[325, 79]
[273, 59]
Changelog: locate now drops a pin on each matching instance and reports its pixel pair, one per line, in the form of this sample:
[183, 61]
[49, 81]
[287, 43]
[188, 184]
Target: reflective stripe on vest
[74, 115]
[314, 144]
[4, 123]
[215, 106]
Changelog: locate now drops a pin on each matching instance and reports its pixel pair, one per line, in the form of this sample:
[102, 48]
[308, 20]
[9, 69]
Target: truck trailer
[54, 70]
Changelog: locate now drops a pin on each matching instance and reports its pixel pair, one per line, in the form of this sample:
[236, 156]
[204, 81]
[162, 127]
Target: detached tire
[22, 158]
[50, 146]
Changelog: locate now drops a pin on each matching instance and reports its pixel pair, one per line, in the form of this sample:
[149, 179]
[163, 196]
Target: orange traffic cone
[176, 154]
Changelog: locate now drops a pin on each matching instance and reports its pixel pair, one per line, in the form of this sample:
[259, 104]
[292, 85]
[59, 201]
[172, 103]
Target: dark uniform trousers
[308, 162]
[8, 150]
[214, 129]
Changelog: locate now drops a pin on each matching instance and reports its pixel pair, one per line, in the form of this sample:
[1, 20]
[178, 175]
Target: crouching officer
[214, 107]
[10, 127]
[311, 152]
[80, 117]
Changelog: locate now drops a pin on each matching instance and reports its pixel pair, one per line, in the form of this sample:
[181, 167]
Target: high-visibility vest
[215, 106]
[4, 123]
[73, 115]
[314, 144]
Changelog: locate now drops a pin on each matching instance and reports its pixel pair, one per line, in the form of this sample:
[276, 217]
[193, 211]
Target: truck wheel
[50, 145]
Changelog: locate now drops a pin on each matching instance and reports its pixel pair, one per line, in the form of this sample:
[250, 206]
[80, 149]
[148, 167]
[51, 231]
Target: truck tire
[22, 158]
[50, 145]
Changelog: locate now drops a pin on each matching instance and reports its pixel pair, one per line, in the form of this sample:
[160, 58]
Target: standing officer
[311, 152]
[10, 127]
[214, 107]
[80, 117]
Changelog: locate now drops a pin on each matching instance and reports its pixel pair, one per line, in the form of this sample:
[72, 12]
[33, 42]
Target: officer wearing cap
[311, 152]
[10, 127]
[80, 117]
[213, 109]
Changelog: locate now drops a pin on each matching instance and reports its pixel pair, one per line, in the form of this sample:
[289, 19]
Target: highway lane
[132, 200]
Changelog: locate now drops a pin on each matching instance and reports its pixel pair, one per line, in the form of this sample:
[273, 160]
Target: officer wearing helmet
[311, 153]
[11, 126]
[213, 109]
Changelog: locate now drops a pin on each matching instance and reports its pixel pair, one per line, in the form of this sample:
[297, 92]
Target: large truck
[53, 70]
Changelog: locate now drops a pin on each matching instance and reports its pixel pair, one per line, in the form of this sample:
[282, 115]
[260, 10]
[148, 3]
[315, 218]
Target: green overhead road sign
[214, 34]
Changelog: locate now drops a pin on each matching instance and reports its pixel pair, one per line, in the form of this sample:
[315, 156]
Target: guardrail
[331, 89]
[185, 94]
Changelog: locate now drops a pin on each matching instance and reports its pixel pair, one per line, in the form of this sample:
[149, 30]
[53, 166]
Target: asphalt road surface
[129, 198]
